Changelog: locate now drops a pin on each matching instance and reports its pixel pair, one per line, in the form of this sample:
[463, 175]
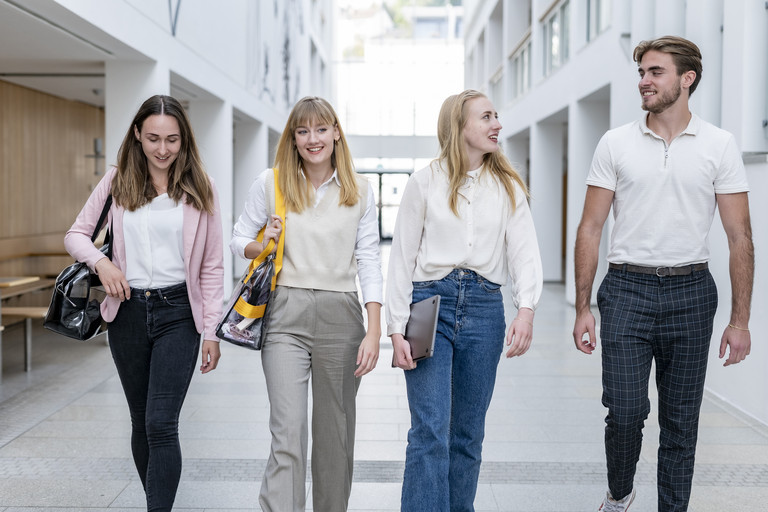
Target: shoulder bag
[76, 301]
[246, 315]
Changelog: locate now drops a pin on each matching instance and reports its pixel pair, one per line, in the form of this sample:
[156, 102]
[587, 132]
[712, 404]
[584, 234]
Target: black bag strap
[102, 218]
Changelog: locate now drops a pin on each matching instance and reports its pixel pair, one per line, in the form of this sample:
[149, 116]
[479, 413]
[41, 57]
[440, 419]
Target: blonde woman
[315, 320]
[463, 228]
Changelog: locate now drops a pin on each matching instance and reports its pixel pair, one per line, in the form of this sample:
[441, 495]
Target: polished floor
[64, 434]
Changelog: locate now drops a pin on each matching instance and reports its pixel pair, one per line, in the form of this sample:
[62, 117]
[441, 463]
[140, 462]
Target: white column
[745, 81]
[546, 181]
[251, 157]
[669, 18]
[518, 149]
[127, 86]
[642, 21]
[703, 28]
[212, 123]
[587, 122]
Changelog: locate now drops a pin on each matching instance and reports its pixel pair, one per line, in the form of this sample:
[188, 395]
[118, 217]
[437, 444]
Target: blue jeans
[669, 320]
[449, 394]
[154, 344]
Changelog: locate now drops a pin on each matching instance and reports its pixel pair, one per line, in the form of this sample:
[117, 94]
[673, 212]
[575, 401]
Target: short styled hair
[685, 54]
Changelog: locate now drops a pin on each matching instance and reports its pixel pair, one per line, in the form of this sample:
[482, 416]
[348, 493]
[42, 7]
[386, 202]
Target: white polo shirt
[664, 195]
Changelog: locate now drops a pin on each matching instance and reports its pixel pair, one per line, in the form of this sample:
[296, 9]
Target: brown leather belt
[660, 271]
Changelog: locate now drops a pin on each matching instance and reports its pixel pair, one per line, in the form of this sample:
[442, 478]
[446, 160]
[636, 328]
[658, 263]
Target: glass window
[598, 17]
[521, 70]
[556, 38]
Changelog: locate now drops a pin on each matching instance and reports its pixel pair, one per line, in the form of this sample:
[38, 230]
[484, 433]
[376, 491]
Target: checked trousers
[669, 321]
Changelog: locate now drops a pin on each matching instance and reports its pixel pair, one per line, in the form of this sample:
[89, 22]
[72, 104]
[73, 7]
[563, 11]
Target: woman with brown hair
[164, 283]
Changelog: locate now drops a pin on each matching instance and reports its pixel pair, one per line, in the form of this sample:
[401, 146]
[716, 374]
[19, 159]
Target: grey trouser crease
[317, 333]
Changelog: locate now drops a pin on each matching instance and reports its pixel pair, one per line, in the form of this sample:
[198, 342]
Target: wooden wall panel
[45, 176]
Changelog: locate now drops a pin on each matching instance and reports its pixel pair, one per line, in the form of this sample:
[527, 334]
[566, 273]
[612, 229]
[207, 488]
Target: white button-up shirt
[486, 237]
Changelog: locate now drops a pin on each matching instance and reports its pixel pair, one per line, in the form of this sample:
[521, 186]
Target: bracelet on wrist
[738, 328]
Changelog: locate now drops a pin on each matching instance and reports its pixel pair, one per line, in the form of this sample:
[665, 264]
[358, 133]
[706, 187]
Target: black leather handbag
[76, 301]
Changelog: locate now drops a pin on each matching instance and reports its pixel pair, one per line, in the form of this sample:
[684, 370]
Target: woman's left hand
[367, 354]
[520, 333]
[211, 355]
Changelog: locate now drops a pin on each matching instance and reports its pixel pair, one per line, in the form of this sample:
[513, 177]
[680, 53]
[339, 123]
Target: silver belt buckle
[660, 272]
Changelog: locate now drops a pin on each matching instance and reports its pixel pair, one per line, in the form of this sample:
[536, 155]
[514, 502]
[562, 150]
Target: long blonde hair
[132, 186]
[453, 153]
[299, 192]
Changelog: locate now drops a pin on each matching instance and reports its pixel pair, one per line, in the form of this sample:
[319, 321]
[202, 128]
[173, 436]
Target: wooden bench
[40, 255]
[14, 315]
[33, 255]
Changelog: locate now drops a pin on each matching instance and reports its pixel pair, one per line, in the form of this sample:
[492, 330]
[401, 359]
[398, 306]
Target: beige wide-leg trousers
[311, 333]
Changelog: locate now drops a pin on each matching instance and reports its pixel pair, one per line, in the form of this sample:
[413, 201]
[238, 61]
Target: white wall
[743, 385]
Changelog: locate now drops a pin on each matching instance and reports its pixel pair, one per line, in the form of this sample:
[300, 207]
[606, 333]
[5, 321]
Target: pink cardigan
[203, 253]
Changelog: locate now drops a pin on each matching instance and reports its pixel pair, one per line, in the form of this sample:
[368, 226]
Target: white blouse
[154, 250]
[486, 237]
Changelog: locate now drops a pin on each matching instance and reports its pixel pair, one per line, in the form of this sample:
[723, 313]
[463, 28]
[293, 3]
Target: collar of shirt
[474, 173]
[322, 189]
[692, 129]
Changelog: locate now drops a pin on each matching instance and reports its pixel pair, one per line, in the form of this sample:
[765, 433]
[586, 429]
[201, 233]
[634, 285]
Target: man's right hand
[585, 324]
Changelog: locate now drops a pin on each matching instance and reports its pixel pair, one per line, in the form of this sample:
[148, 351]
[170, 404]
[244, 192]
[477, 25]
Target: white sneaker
[611, 505]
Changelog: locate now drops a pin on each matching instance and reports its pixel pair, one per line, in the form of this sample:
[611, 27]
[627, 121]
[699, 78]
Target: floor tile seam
[89, 461]
[373, 471]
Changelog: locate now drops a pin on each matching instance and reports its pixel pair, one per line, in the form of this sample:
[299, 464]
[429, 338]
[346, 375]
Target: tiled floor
[64, 434]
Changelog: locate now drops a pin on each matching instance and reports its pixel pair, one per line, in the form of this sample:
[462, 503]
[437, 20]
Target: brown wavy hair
[685, 54]
[298, 191]
[453, 153]
[187, 180]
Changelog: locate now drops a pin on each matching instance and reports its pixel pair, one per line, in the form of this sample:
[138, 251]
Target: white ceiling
[45, 47]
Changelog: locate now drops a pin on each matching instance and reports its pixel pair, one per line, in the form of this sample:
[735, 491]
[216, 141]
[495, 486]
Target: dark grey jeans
[154, 345]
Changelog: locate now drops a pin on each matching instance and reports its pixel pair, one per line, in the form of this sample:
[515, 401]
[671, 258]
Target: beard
[663, 101]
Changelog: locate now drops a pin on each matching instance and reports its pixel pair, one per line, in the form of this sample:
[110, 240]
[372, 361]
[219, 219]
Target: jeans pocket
[489, 286]
[423, 284]
[177, 301]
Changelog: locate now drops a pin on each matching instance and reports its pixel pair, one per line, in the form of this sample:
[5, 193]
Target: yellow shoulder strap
[257, 311]
[280, 211]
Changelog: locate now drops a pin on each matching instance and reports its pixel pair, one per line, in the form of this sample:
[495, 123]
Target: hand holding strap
[257, 311]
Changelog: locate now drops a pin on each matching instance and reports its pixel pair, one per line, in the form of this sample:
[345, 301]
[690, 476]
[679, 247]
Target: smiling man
[664, 175]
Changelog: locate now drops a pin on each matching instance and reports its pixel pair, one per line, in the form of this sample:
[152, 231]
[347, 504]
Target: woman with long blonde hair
[463, 229]
[315, 325]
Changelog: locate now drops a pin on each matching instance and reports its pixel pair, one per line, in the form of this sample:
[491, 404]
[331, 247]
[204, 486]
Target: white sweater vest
[320, 243]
